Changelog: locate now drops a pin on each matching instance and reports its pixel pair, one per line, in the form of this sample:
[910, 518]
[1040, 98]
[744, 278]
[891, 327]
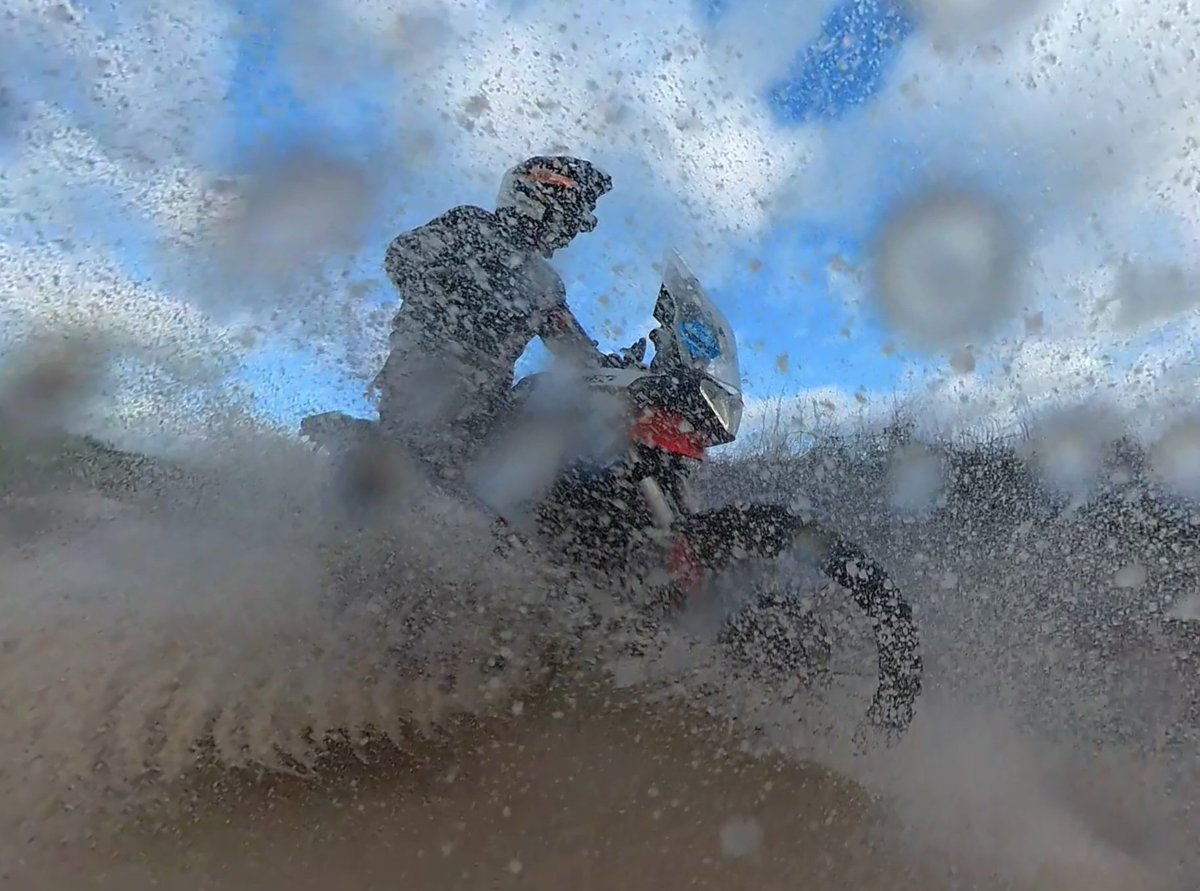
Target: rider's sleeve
[565, 337]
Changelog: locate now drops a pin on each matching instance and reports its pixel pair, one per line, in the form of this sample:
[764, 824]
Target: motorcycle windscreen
[705, 339]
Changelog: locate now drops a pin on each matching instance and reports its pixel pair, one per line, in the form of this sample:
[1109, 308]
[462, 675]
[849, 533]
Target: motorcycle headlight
[726, 406]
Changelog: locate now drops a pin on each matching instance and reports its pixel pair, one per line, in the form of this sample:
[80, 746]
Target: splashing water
[292, 213]
[44, 388]
[238, 612]
[229, 615]
[917, 478]
[1069, 447]
[1176, 458]
[946, 269]
[974, 18]
[244, 611]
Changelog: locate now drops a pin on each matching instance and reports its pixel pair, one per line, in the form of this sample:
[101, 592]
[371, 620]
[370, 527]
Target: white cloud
[59, 159]
[44, 288]
[1084, 112]
[167, 363]
[1079, 102]
[674, 107]
[155, 75]
[1035, 383]
[1080, 119]
[1146, 295]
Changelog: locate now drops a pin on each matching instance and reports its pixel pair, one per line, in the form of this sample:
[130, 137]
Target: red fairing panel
[664, 430]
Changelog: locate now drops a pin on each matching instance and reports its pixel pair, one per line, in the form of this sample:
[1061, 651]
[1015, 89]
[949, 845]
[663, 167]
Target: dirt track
[575, 800]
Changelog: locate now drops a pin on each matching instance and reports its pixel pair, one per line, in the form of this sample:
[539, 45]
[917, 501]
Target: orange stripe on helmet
[549, 178]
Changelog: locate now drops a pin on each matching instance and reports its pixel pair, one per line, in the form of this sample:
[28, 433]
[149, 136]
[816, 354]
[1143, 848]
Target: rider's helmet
[557, 194]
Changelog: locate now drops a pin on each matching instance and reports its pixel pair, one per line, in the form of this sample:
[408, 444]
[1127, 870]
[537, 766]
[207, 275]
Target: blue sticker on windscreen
[700, 340]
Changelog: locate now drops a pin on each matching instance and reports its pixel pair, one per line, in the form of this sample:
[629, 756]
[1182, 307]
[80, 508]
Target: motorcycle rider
[476, 289]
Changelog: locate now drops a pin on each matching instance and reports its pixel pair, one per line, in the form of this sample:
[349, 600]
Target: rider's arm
[565, 337]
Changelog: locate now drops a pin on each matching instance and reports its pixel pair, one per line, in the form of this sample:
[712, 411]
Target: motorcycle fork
[683, 563]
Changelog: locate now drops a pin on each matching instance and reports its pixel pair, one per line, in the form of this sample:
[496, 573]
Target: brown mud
[570, 793]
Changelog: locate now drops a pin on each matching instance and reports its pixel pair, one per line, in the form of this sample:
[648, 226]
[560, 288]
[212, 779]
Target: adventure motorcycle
[626, 509]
